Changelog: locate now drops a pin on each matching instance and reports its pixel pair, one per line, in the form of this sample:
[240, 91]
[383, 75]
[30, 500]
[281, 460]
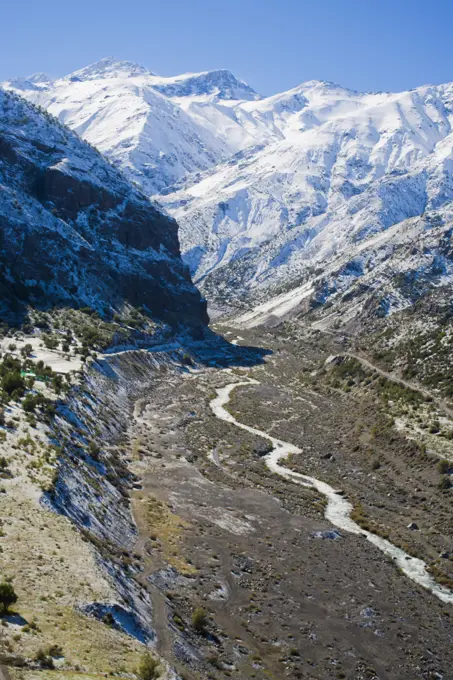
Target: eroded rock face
[74, 232]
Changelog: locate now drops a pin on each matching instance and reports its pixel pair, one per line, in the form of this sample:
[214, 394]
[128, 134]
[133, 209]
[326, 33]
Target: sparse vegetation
[149, 668]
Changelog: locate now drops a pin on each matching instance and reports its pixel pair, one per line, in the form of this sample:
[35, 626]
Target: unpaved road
[400, 381]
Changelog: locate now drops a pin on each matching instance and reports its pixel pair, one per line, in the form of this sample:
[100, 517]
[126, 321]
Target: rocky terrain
[281, 592]
[197, 549]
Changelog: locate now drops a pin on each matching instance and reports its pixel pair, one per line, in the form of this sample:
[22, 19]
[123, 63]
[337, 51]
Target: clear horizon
[381, 46]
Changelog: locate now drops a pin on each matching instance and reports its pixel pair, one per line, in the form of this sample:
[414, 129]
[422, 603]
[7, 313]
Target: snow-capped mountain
[266, 190]
[76, 233]
[157, 130]
[349, 166]
[35, 82]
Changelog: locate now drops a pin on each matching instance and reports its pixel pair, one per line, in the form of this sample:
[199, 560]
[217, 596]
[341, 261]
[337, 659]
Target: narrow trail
[386, 374]
[400, 381]
[338, 510]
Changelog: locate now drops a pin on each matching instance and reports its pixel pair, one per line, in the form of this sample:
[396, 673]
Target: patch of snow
[58, 361]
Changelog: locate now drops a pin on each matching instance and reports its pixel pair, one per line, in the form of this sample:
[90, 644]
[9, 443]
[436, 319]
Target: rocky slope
[373, 279]
[351, 167]
[86, 263]
[75, 233]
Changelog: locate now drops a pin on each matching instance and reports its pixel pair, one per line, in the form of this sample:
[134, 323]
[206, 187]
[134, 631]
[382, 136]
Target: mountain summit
[109, 67]
[221, 84]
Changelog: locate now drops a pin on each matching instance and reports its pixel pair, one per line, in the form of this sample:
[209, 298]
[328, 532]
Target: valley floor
[245, 575]
[284, 595]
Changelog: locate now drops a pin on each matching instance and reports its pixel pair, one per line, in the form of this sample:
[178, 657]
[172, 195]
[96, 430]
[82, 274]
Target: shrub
[199, 620]
[149, 668]
[44, 659]
[50, 342]
[13, 382]
[443, 466]
[108, 619]
[30, 402]
[57, 383]
[444, 483]
[7, 596]
[26, 350]
[94, 450]
[55, 651]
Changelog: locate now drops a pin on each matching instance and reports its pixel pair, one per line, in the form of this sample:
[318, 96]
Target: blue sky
[272, 44]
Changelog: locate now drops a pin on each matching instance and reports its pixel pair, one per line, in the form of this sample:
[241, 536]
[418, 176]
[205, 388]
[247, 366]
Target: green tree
[13, 382]
[26, 350]
[50, 342]
[7, 596]
[57, 383]
[30, 402]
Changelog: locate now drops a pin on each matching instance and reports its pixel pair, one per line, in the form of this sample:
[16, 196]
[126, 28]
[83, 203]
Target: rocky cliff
[75, 233]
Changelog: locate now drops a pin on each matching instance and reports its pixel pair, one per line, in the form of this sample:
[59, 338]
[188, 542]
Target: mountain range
[312, 189]
[163, 517]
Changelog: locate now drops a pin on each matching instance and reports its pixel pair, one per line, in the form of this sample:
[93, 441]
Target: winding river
[338, 509]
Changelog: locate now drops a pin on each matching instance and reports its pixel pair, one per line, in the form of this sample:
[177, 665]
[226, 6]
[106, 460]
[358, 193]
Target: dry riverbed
[284, 595]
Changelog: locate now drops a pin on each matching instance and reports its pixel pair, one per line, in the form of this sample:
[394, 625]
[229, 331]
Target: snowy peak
[109, 68]
[221, 84]
[336, 168]
[36, 82]
[156, 129]
[39, 79]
